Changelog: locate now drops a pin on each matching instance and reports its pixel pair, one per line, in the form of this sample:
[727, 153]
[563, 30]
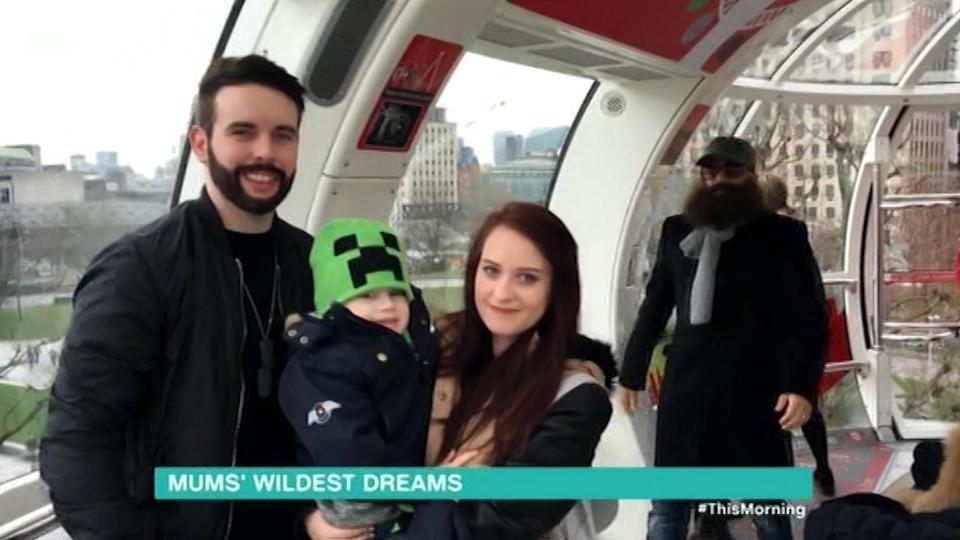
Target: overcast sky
[84, 76]
[81, 76]
[93, 75]
[485, 95]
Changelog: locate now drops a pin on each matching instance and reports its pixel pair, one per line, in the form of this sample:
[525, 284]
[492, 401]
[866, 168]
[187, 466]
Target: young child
[357, 388]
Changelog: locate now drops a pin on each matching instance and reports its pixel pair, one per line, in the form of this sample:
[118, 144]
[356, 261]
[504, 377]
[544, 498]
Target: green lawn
[23, 408]
[38, 322]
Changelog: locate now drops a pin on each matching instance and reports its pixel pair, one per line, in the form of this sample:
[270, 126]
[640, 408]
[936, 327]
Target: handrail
[919, 203]
[839, 280]
[914, 200]
[903, 197]
[25, 506]
[849, 365]
[925, 325]
[924, 338]
[33, 525]
[922, 325]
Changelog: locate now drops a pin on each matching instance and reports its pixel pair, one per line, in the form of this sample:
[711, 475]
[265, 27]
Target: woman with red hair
[517, 384]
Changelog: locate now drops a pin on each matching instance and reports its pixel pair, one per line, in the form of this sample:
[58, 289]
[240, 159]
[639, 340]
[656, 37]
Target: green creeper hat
[351, 257]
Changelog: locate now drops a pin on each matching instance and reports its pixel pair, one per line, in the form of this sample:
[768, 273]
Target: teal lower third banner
[469, 483]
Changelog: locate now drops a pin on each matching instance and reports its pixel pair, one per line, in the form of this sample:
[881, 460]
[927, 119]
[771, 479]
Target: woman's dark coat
[869, 516]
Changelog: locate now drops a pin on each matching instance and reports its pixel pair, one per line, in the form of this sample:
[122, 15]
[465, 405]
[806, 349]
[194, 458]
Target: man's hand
[631, 400]
[796, 410]
[318, 529]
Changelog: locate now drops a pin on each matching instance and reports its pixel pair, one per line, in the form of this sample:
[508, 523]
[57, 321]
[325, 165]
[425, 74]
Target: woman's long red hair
[515, 390]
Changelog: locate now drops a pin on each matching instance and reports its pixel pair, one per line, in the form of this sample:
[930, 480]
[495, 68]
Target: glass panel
[662, 194]
[922, 286]
[944, 67]
[101, 163]
[876, 43]
[839, 396]
[920, 258]
[773, 54]
[816, 150]
[926, 378]
[926, 154]
[838, 393]
[479, 149]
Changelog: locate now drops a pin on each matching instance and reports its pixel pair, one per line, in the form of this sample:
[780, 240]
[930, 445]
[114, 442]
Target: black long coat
[767, 335]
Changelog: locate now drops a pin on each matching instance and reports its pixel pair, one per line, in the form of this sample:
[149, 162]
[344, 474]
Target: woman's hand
[458, 459]
[318, 529]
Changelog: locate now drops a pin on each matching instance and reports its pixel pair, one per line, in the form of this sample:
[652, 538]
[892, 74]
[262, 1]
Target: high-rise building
[545, 141]
[106, 159]
[507, 146]
[78, 163]
[468, 173]
[526, 179]
[431, 179]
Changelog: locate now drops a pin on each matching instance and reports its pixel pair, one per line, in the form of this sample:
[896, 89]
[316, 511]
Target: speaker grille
[613, 103]
[341, 47]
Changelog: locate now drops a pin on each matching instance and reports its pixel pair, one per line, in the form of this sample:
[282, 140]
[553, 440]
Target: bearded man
[750, 336]
[173, 351]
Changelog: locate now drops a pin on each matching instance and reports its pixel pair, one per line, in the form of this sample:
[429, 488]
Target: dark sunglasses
[731, 170]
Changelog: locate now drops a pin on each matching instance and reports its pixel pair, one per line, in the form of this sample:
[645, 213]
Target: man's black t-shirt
[265, 438]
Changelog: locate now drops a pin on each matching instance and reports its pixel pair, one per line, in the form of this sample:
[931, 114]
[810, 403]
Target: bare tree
[778, 146]
[9, 259]
[429, 232]
[31, 402]
[838, 134]
[772, 138]
[9, 426]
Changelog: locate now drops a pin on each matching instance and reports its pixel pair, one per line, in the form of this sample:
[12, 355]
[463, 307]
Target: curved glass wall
[922, 244]
[478, 150]
[773, 54]
[876, 43]
[816, 150]
[662, 194]
[88, 152]
[945, 68]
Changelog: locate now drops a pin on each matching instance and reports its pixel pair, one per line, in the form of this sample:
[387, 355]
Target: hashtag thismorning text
[747, 508]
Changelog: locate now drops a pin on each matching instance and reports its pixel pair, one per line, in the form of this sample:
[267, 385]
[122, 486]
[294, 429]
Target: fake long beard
[723, 205]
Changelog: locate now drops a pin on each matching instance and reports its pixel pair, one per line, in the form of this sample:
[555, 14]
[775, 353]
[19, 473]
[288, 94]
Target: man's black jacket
[151, 374]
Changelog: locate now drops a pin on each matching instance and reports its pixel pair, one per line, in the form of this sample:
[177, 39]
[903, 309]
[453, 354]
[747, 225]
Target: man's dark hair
[232, 71]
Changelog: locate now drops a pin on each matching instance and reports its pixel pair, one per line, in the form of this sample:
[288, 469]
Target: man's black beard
[228, 182]
[723, 205]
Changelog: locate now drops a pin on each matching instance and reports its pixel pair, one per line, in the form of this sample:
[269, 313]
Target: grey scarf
[704, 245]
